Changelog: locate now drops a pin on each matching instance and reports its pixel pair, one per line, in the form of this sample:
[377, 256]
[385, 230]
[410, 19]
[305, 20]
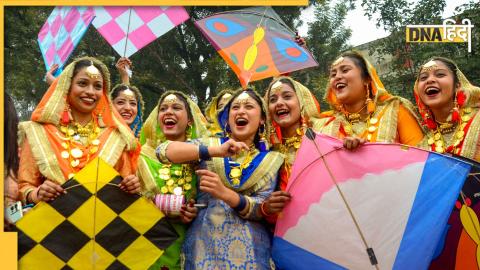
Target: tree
[182, 59]
[407, 58]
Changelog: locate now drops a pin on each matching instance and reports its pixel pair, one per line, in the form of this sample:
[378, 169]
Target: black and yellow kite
[95, 225]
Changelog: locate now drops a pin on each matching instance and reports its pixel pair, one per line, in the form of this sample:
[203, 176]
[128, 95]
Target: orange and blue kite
[255, 43]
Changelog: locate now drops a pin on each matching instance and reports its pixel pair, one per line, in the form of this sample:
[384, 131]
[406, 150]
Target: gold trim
[42, 152]
[469, 147]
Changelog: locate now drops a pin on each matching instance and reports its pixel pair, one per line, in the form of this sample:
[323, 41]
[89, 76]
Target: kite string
[128, 30]
[344, 199]
[95, 212]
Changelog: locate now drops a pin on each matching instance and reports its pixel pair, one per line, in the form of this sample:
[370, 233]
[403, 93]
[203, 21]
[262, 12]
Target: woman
[449, 107]
[292, 108]
[128, 102]
[73, 124]
[363, 109]
[216, 105]
[10, 154]
[228, 234]
[448, 104]
[176, 118]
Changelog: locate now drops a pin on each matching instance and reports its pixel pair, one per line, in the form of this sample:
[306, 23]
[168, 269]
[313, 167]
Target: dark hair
[10, 150]
[182, 98]
[122, 87]
[359, 61]
[86, 63]
[450, 65]
[287, 82]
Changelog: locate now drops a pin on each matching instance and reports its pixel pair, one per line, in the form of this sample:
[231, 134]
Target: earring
[429, 122]
[262, 143]
[100, 121]
[66, 115]
[189, 131]
[369, 101]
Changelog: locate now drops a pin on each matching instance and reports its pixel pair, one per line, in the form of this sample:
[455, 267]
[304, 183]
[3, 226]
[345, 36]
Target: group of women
[237, 163]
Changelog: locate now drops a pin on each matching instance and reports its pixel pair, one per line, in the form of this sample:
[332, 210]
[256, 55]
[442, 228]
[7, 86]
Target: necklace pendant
[188, 179]
[187, 186]
[178, 191]
[437, 136]
[93, 150]
[65, 154]
[74, 163]
[164, 190]
[465, 118]
[76, 137]
[170, 182]
[460, 134]
[467, 110]
[373, 121]
[235, 172]
[439, 149]
[369, 137]
[372, 129]
[431, 141]
[439, 144]
[181, 181]
[76, 153]
[348, 129]
[70, 132]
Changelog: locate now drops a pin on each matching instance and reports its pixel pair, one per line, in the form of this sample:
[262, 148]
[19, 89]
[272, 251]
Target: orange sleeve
[10, 188]
[124, 165]
[29, 176]
[409, 131]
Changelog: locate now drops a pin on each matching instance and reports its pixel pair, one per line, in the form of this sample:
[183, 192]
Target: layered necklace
[371, 123]
[79, 142]
[448, 137]
[294, 143]
[175, 178]
[236, 169]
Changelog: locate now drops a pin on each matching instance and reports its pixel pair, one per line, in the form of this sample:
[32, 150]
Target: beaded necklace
[79, 141]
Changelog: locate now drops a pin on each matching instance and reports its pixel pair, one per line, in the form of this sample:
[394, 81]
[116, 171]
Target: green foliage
[182, 59]
[407, 58]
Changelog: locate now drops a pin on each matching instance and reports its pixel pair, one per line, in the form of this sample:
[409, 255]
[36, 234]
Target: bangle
[241, 205]
[264, 213]
[203, 153]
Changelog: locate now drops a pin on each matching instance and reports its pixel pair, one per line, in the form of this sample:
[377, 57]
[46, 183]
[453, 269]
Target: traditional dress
[160, 178]
[53, 151]
[212, 110]
[459, 248]
[393, 119]
[220, 237]
[310, 113]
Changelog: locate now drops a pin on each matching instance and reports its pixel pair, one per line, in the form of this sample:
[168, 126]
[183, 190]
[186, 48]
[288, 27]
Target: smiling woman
[73, 124]
[362, 107]
[128, 102]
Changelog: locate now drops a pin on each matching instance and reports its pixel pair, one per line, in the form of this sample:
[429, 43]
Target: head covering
[54, 102]
[152, 134]
[377, 91]
[212, 110]
[137, 123]
[309, 106]
[471, 92]
[223, 114]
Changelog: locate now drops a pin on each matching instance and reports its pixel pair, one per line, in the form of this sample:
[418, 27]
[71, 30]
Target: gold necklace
[371, 125]
[176, 178]
[437, 141]
[73, 147]
[353, 117]
[236, 169]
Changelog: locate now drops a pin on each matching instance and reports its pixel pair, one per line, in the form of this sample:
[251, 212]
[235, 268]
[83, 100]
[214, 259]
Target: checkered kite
[61, 33]
[94, 226]
[128, 29]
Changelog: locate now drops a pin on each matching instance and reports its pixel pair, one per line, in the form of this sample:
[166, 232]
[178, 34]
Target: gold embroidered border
[144, 173]
[42, 152]
[469, 147]
[113, 148]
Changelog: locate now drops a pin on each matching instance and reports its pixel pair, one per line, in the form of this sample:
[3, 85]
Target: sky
[359, 23]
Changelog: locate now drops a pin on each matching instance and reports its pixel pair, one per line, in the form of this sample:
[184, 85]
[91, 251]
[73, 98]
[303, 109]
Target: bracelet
[264, 213]
[241, 205]
[203, 153]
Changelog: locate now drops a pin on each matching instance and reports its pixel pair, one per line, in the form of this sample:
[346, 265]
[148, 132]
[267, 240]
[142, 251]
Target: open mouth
[340, 86]
[241, 122]
[87, 100]
[432, 91]
[282, 113]
[169, 122]
[126, 115]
